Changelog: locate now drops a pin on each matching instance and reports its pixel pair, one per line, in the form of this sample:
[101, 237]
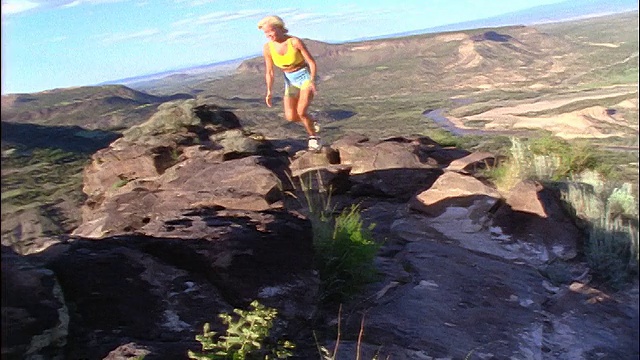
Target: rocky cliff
[189, 215]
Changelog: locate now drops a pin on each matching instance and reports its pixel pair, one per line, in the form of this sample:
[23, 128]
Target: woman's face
[272, 33]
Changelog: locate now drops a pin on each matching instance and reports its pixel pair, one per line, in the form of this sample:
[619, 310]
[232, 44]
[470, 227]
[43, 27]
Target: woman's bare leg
[306, 95]
[290, 108]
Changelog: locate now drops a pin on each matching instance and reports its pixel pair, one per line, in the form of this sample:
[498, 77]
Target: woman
[299, 68]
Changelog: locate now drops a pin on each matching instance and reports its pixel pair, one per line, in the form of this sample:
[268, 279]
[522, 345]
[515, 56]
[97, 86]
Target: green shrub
[120, 183]
[246, 337]
[547, 158]
[606, 210]
[609, 251]
[345, 258]
[559, 158]
[622, 201]
[607, 213]
[344, 247]
[444, 138]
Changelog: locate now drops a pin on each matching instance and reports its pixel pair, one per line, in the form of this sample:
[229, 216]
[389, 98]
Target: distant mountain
[180, 77]
[563, 11]
[385, 84]
[92, 107]
[528, 58]
[567, 10]
[381, 62]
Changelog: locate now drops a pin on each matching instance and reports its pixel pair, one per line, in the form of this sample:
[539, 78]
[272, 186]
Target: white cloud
[349, 13]
[10, 7]
[177, 37]
[218, 17]
[68, 3]
[120, 37]
[194, 2]
[296, 18]
[72, 4]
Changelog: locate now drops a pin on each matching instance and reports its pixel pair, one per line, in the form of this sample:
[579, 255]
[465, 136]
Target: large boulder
[86, 299]
[184, 157]
[377, 166]
[529, 224]
[35, 316]
[179, 121]
[449, 307]
[147, 150]
[194, 183]
[449, 291]
[27, 229]
[472, 163]
[377, 155]
[311, 171]
[533, 214]
[113, 167]
[457, 190]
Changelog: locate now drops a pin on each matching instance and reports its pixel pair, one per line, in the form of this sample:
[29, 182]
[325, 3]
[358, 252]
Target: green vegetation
[582, 104]
[612, 251]
[550, 158]
[556, 159]
[246, 337]
[120, 183]
[607, 210]
[42, 184]
[345, 250]
[344, 246]
[445, 138]
[345, 259]
[40, 177]
[618, 74]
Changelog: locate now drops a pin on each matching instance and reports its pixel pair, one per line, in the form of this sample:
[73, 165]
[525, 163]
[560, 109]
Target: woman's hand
[267, 99]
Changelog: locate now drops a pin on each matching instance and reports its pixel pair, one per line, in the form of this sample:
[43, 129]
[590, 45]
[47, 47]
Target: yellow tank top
[292, 57]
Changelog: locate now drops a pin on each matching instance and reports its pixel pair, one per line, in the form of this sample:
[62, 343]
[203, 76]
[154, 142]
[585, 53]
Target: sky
[49, 44]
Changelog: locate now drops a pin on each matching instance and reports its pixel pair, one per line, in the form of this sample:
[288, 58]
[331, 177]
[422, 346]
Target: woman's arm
[268, 72]
[299, 45]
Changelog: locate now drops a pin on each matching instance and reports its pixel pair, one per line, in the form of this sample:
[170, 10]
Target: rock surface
[189, 215]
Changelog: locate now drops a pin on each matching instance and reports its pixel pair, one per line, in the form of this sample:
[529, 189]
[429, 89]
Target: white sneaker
[316, 126]
[315, 144]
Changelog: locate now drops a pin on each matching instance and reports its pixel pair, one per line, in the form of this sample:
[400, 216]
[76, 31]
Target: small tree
[245, 339]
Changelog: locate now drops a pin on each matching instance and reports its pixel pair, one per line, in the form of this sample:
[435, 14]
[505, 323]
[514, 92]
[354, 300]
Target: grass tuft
[344, 246]
[606, 209]
[345, 257]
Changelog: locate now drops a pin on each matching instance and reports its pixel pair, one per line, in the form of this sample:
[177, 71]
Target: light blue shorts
[296, 80]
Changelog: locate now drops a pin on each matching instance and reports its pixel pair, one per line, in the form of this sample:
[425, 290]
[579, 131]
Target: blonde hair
[272, 20]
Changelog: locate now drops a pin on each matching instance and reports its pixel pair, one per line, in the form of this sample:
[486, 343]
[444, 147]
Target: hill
[551, 13]
[386, 86]
[181, 80]
[106, 107]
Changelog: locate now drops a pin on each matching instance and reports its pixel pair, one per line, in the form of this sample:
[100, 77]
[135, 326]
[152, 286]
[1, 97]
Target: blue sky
[50, 44]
